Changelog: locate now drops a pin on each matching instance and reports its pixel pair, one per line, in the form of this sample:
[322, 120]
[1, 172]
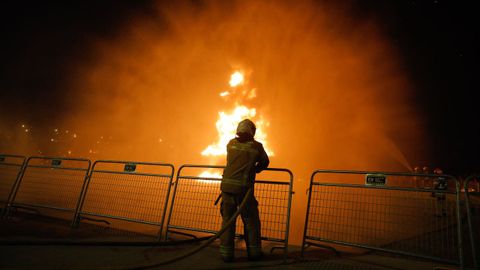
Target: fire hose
[230, 222]
[210, 239]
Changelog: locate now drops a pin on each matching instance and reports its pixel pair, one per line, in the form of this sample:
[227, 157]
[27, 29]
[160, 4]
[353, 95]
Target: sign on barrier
[193, 203]
[126, 194]
[10, 170]
[345, 209]
[51, 183]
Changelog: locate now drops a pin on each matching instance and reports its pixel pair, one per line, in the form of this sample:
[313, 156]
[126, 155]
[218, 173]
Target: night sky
[438, 42]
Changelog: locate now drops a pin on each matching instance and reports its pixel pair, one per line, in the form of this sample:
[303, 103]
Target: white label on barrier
[56, 162]
[372, 179]
[130, 167]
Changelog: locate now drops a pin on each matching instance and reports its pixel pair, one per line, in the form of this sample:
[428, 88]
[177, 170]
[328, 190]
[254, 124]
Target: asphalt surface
[29, 241]
[125, 257]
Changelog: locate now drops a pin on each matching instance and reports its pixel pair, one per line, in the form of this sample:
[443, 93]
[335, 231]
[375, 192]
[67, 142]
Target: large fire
[227, 121]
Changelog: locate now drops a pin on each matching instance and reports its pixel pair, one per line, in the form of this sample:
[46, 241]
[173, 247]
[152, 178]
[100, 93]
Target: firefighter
[427, 181]
[245, 158]
[416, 183]
[440, 184]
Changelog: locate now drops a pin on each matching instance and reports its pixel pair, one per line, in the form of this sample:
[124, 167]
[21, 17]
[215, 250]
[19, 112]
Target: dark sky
[438, 41]
[41, 39]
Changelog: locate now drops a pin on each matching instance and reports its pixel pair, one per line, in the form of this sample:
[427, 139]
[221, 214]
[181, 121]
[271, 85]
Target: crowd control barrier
[472, 198]
[193, 205]
[417, 215]
[10, 170]
[51, 184]
[127, 195]
[378, 211]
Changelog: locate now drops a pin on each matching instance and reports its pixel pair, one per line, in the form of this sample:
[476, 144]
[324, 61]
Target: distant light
[74, 135]
[26, 130]
[52, 139]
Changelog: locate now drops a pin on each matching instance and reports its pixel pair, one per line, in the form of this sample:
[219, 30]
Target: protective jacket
[245, 158]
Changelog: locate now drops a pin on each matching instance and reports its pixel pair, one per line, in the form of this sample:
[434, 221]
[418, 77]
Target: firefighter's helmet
[246, 126]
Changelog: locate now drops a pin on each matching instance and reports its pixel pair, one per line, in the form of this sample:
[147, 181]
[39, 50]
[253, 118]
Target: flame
[227, 122]
[252, 94]
[209, 174]
[227, 125]
[236, 79]
[225, 93]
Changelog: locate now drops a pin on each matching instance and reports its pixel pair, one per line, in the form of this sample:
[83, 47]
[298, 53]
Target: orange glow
[328, 87]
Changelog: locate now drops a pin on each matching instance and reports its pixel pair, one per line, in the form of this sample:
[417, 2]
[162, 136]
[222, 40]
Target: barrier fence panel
[378, 211]
[193, 202]
[472, 203]
[127, 196]
[51, 184]
[10, 170]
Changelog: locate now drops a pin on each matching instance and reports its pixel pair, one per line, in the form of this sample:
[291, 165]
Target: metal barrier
[10, 170]
[193, 208]
[362, 209]
[51, 183]
[126, 194]
[472, 194]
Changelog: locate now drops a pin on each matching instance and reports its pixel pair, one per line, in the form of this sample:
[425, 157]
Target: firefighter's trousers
[251, 223]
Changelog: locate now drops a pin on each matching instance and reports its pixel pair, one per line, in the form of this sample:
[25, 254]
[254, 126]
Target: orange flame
[227, 122]
[209, 174]
[236, 79]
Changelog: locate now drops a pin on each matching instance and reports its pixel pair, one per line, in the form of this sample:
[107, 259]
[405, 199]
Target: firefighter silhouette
[440, 186]
[416, 179]
[427, 181]
[245, 158]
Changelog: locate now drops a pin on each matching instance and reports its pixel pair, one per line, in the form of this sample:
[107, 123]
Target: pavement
[135, 257]
[31, 242]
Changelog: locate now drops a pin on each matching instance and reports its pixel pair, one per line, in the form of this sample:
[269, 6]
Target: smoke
[330, 84]
[331, 87]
